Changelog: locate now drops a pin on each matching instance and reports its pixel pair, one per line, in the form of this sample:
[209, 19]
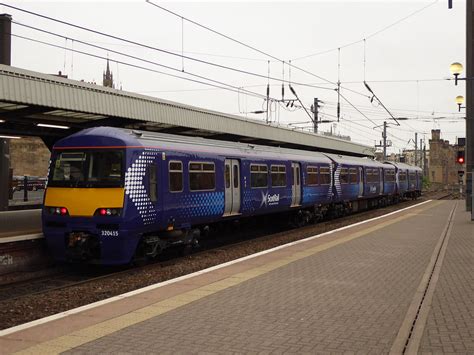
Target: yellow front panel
[84, 201]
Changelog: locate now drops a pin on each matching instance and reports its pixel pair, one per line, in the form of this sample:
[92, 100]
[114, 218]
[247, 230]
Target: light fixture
[460, 100]
[2, 121]
[10, 137]
[456, 69]
[51, 126]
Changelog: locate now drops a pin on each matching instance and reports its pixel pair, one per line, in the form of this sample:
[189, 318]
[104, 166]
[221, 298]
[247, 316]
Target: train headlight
[59, 211]
[113, 212]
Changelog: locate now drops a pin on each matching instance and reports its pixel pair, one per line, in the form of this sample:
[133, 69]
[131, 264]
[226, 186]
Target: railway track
[52, 293]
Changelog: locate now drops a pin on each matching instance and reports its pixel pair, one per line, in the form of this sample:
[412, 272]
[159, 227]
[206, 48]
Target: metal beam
[5, 58]
[469, 104]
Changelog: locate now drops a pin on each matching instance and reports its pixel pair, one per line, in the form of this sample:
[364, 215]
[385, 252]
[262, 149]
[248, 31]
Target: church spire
[108, 77]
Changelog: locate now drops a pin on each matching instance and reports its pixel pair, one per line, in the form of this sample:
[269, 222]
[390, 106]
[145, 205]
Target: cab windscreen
[88, 169]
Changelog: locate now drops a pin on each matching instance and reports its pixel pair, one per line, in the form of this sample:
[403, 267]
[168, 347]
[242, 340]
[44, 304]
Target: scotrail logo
[269, 200]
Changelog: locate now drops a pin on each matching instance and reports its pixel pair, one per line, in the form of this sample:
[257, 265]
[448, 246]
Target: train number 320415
[109, 233]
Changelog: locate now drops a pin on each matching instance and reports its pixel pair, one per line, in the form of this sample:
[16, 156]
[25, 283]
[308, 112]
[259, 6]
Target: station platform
[400, 283]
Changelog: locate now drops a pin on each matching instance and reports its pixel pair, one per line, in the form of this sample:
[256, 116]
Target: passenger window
[236, 176]
[312, 172]
[389, 175]
[278, 175]
[202, 176]
[176, 176]
[153, 182]
[258, 175]
[324, 176]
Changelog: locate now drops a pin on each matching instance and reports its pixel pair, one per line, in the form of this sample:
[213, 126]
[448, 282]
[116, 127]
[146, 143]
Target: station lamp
[456, 69]
[460, 100]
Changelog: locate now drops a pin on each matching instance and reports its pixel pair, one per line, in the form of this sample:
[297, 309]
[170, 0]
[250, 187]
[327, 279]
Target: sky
[402, 49]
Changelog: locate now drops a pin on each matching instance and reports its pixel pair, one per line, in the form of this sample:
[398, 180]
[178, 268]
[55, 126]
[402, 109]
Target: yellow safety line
[96, 331]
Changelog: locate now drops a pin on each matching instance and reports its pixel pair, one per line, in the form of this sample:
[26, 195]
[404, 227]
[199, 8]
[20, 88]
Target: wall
[29, 156]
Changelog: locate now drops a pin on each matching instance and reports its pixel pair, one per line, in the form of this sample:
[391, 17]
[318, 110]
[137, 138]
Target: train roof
[119, 137]
[348, 160]
[404, 166]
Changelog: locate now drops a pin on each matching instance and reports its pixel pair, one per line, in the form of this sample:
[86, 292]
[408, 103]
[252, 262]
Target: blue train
[116, 194]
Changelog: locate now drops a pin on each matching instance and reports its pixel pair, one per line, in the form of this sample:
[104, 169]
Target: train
[117, 195]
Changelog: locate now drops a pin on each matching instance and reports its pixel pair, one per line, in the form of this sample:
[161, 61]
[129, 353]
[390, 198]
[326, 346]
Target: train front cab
[86, 215]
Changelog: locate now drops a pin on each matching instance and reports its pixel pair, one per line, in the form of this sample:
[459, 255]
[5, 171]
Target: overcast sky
[408, 48]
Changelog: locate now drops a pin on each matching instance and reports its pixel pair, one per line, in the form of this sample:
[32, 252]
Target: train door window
[176, 176]
[312, 172]
[202, 176]
[353, 175]
[298, 175]
[236, 175]
[227, 175]
[153, 182]
[258, 175]
[376, 174]
[344, 176]
[324, 176]
[278, 175]
[369, 175]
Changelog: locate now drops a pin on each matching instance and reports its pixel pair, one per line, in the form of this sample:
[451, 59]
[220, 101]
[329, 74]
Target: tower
[108, 77]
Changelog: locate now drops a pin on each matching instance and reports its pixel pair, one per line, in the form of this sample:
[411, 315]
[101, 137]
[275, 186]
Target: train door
[232, 186]
[296, 187]
[361, 182]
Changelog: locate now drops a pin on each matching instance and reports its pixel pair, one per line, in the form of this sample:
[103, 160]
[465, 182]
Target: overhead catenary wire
[217, 65]
[141, 59]
[370, 35]
[288, 80]
[229, 88]
[350, 103]
[247, 45]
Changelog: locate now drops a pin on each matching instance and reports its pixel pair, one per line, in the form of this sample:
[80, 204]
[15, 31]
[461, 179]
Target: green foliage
[425, 183]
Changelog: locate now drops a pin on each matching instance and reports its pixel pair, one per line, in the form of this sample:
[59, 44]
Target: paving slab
[346, 292]
[351, 297]
[450, 324]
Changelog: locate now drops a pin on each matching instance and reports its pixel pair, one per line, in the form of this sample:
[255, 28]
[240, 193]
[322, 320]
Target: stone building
[29, 156]
[443, 168]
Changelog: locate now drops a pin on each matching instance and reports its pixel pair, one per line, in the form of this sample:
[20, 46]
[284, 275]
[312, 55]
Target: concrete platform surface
[400, 283]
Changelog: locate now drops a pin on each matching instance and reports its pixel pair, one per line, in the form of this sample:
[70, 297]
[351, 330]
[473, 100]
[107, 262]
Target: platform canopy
[30, 98]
